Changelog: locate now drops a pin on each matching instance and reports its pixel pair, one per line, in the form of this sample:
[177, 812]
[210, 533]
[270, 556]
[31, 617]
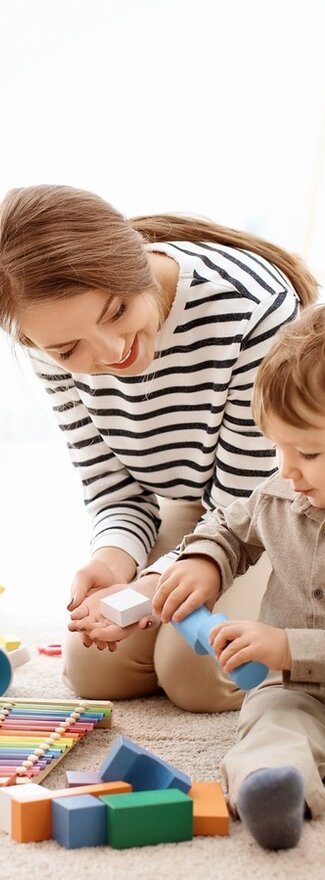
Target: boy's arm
[229, 536]
[224, 545]
[307, 650]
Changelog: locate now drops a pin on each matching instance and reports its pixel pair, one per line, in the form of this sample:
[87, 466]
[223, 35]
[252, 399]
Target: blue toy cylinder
[196, 628]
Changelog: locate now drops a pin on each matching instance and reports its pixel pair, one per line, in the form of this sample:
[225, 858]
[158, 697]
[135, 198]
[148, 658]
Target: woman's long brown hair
[58, 241]
[170, 227]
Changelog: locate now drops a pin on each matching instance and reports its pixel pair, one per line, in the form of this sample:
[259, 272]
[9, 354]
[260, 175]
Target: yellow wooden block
[2, 588]
[210, 811]
[9, 642]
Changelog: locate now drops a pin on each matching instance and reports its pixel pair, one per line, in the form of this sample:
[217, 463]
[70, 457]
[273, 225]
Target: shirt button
[318, 594]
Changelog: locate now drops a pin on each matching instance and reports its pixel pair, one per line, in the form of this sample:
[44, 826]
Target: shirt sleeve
[124, 514]
[229, 536]
[244, 458]
[307, 648]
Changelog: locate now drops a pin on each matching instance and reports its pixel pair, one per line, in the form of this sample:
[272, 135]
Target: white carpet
[194, 743]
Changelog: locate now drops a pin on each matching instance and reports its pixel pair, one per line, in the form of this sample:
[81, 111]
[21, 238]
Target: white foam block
[125, 607]
[19, 656]
[28, 791]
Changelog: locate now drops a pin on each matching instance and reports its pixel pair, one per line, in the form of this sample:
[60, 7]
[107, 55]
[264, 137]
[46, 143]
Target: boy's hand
[238, 641]
[185, 586]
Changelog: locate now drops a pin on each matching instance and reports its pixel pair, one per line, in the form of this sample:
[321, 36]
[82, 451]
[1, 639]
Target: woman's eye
[120, 311]
[309, 456]
[64, 355]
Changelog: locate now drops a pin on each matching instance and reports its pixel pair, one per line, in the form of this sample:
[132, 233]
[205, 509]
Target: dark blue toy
[196, 628]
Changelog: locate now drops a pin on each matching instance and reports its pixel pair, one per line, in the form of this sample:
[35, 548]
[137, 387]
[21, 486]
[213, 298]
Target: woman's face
[95, 333]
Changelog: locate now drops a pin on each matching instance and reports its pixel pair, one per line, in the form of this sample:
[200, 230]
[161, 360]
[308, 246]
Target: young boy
[274, 774]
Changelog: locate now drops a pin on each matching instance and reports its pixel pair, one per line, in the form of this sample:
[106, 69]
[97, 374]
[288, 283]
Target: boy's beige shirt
[274, 518]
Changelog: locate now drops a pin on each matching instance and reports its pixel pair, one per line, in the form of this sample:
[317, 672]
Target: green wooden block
[141, 818]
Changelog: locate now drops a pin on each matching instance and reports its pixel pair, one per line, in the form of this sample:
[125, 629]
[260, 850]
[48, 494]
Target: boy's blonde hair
[290, 382]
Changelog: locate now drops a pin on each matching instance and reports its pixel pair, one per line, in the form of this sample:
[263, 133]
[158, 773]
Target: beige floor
[195, 744]
[37, 573]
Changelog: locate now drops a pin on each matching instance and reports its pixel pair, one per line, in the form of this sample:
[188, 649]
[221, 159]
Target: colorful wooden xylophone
[36, 734]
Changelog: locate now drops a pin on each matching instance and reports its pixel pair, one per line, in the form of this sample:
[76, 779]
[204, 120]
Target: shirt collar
[279, 488]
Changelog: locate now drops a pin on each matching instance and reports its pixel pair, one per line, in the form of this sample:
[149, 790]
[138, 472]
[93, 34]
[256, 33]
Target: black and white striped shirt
[183, 428]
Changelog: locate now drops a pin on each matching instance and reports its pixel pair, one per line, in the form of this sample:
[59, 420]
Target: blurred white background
[158, 105]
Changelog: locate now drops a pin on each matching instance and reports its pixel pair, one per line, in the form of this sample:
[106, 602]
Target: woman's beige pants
[152, 661]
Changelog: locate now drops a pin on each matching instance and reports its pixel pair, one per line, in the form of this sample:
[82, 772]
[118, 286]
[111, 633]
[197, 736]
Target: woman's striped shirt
[183, 428]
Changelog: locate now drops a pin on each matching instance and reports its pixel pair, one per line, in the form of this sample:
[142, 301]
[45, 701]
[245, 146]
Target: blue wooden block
[79, 821]
[141, 768]
[196, 628]
[119, 760]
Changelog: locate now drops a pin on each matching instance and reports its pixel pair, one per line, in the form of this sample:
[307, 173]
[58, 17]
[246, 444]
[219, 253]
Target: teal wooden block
[143, 818]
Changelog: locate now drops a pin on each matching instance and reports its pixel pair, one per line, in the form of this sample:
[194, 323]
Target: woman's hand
[237, 641]
[96, 629]
[185, 586]
[94, 576]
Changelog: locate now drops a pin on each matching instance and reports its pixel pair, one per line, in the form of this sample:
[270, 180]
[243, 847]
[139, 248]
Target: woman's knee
[192, 682]
[102, 675]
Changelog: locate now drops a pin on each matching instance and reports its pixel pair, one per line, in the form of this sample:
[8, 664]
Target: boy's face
[301, 456]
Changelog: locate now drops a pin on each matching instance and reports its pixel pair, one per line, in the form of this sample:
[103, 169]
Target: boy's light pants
[151, 661]
[279, 726]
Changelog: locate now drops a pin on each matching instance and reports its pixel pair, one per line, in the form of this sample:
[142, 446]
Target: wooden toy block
[210, 811]
[31, 817]
[148, 817]
[125, 607]
[79, 821]
[19, 656]
[196, 628]
[120, 759]
[9, 642]
[141, 768]
[28, 792]
[75, 777]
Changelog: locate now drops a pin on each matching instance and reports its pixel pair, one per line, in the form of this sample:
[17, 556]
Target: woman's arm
[125, 516]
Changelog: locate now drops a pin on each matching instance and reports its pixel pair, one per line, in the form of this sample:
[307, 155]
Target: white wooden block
[125, 607]
[19, 656]
[28, 791]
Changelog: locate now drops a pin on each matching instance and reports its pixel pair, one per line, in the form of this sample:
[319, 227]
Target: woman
[147, 334]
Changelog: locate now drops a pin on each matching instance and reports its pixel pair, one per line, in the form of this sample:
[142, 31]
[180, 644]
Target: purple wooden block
[75, 777]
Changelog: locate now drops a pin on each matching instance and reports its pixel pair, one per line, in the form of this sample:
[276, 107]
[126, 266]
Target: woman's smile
[129, 358]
